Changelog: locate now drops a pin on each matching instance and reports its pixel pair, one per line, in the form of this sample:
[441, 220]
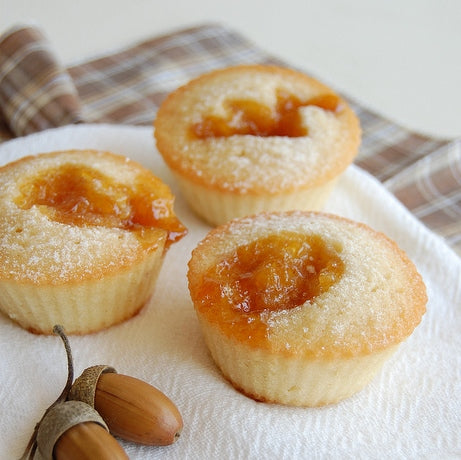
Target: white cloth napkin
[412, 409]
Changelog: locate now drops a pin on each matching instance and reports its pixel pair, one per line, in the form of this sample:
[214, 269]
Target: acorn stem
[32, 444]
[59, 330]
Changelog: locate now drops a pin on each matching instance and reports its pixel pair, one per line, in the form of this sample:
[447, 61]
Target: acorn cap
[84, 387]
[60, 418]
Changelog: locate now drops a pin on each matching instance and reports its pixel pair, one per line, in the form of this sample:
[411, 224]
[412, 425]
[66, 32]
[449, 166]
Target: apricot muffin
[302, 308]
[253, 138]
[82, 239]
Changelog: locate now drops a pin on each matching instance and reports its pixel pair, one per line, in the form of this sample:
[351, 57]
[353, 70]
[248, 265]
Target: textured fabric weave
[36, 93]
[127, 87]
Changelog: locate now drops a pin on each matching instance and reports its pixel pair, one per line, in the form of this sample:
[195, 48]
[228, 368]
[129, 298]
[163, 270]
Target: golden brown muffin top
[317, 285]
[80, 214]
[256, 129]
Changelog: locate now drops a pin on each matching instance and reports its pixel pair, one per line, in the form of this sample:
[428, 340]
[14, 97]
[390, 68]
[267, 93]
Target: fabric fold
[36, 92]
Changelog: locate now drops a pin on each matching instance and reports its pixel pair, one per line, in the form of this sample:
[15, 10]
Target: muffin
[302, 308]
[253, 138]
[83, 234]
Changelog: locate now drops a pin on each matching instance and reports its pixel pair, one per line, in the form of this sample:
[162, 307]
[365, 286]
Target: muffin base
[81, 307]
[291, 380]
[217, 207]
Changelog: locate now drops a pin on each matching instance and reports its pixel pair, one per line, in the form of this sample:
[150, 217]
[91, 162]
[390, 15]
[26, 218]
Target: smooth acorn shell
[88, 441]
[137, 411]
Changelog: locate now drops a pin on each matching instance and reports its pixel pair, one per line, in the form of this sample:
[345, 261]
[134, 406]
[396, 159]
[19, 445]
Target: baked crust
[376, 303]
[36, 248]
[249, 164]
[83, 234]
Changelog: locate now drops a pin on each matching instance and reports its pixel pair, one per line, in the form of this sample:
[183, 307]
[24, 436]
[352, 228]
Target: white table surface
[401, 58]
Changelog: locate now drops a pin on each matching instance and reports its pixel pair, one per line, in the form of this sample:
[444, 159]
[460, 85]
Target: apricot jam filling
[278, 272]
[246, 116]
[80, 195]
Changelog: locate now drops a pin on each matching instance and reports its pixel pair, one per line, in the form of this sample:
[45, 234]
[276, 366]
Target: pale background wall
[399, 57]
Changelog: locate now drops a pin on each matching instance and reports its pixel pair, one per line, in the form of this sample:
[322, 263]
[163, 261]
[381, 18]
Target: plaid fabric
[128, 86]
[35, 92]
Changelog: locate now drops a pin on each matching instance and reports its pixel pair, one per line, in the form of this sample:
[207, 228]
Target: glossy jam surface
[278, 272]
[246, 116]
[80, 195]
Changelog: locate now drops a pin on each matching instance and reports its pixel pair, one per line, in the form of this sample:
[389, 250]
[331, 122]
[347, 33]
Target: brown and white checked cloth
[126, 87]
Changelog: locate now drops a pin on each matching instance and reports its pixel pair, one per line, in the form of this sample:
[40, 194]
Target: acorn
[72, 430]
[133, 410]
[99, 404]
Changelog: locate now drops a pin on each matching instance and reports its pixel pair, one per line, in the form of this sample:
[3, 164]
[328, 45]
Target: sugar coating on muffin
[309, 305]
[256, 132]
[75, 220]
